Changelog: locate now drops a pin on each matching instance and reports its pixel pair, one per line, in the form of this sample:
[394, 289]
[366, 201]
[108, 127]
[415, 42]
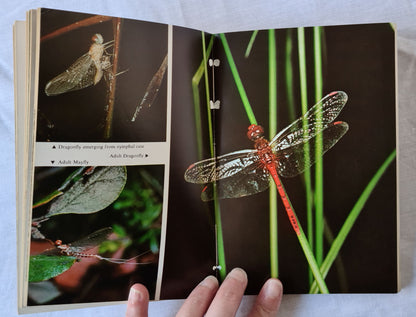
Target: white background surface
[225, 16]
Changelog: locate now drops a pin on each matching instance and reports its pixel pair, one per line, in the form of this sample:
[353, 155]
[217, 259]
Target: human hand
[209, 299]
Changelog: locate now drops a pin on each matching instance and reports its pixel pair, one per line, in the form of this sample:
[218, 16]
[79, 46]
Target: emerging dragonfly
[247, 172]
[80, 248]
[85, 71]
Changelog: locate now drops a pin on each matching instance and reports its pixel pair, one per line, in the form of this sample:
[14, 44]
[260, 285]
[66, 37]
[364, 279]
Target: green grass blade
[352, 217]
[319, 192]
[289, 75]
[219, 238]
[207, 96]
[274, 264]
[196, 79]
[313, 265]
[237, 80]
[217, 212]
[304, 105]
[196, 97]
[303, 241]
[250, 43]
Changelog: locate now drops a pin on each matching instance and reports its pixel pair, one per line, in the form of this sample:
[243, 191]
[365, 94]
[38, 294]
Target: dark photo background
[78, 116]
[190, 237]
[357, 59]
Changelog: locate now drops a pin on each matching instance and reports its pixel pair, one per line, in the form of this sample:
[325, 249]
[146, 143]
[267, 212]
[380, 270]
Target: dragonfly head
[254, 132]
[58, 242]
[97, 38]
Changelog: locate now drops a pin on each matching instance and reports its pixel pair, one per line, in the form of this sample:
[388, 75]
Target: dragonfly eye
[254, 132]
[97, 38]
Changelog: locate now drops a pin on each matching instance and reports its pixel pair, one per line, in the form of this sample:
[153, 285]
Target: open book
[135, 164]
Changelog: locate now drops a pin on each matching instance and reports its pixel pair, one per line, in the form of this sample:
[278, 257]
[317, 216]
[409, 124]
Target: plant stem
[195, 92]
[300, 234]
[96, 19]
[304, 105]
[250, 43]
[289, 76]
[237, 80]
[217, 212]
[274, 267]
[113, 81]
[319, 193]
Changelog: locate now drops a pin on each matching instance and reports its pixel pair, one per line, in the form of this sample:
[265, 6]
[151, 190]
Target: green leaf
[45, 267]
[47, 199]
[91, 193]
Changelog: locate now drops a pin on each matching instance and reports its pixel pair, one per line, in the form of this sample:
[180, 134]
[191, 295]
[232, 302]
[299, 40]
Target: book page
[271, 78]
[101, 159]
[19, 37]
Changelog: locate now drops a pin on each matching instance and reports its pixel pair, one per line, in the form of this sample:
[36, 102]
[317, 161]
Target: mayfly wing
[86, 243]
[152, 89]
[84, 72]
[92, 240]
[311, 123]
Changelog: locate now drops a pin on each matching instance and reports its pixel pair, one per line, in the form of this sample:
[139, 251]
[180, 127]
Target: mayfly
[85, 71]
[82, 248]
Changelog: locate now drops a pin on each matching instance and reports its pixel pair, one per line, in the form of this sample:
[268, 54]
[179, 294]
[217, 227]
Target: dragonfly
[83, 248]
[85, 71]
[247, 172]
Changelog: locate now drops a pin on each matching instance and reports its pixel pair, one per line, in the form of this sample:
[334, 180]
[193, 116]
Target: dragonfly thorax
[254, 132]
[264, 151]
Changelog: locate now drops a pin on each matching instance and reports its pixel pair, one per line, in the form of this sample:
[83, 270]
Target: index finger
[268, 301]
[228, 298]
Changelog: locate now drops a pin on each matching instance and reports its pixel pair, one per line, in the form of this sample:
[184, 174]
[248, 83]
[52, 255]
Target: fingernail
[238, 274]
[210, 282]
[135, 295]
[273, 289]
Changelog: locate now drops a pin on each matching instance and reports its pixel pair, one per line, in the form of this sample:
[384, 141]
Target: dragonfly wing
[293, 160]
[248, 181]
[311, 123]
[213, 169]
[78, 76]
